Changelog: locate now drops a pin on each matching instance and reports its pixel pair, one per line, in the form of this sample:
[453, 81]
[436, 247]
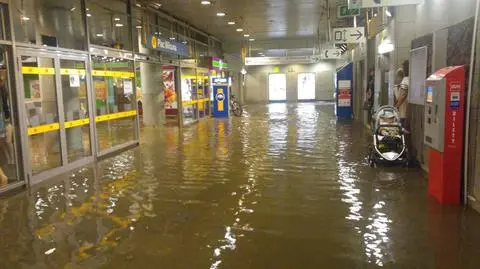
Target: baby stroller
[388, 138]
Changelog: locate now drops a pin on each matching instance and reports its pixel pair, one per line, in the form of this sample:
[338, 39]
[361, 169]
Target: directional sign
[344, 12]
[331, 54]
[348, 35]
[354, 3]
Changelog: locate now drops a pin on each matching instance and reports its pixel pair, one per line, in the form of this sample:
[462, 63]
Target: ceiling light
[100, 35]
[231, 23]
[389, 14]
[138, 5]
[139, 27]
[73, 9]
[116, 19]
[172, 38]
[246, 35]
[251, 39]
[25, 18]
[118, 25]
[239, 30]
[184, 42]
[89, 15]
[205, 2]
[221, 14]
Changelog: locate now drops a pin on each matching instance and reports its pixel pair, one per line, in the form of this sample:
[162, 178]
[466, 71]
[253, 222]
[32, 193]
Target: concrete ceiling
[262, 19]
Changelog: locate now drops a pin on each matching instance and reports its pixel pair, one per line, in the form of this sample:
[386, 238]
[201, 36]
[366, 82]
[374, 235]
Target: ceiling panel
[262, 19]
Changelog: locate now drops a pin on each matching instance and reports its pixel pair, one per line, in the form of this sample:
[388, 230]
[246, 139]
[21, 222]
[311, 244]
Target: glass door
[277, 87]
[56, 106]
[306, 86]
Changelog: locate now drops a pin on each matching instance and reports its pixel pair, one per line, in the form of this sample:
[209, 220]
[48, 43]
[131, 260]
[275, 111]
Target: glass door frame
[65, 165]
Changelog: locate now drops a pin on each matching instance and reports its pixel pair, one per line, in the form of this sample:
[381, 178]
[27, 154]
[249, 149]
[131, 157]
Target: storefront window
[189, 95]
[41, 108]
[109, 24]
[75, 105]
[49, 23]
[203, 92]
[114, 87]
[8, 135]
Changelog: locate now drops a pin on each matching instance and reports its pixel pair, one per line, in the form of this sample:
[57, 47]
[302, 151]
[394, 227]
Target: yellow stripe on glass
[40, 129]
[115, 74]
[27, 70]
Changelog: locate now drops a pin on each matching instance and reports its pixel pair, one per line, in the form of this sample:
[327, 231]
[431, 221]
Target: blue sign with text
[163, 44]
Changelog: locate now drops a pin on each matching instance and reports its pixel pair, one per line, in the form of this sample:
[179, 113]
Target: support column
[152, 101]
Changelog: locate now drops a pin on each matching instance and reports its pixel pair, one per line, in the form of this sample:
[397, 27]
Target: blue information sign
[163, 44]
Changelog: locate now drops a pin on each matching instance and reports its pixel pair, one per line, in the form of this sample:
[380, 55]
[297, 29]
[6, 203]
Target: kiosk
[221, 95]
[444, 117]
[343, 108]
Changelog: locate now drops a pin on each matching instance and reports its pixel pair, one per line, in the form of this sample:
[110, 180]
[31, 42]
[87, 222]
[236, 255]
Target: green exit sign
[344, 11]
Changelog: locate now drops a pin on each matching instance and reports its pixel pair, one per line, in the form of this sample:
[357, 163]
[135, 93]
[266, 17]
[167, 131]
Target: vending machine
[221, 98]
[444, 124]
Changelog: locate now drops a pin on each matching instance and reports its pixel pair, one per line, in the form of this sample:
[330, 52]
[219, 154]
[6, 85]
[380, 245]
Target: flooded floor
[285, 186]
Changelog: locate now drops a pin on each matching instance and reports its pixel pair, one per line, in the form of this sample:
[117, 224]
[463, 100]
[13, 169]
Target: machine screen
[429, 94]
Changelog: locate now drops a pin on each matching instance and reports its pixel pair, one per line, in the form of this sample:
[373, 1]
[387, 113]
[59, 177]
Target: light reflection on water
[285, 187]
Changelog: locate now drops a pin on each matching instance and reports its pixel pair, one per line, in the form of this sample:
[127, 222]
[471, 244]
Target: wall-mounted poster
[306, 86]
[418, 75]
[169, 92]
[35, 91]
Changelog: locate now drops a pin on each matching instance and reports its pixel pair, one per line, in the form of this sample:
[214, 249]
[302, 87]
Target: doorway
[306, 87]
[58, 112]
[277, 87]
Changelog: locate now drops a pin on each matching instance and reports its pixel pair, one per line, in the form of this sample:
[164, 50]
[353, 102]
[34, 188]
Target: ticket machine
[444, 117]
[221, 96]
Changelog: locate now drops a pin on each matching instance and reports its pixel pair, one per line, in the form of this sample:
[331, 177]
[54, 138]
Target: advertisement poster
[100, 89]
[35, 89]
[344, 95]
[74, 81]
[127, 86]
[277, 87]
[169, 89]
[306, 86]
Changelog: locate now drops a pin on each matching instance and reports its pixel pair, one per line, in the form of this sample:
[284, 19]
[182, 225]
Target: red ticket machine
[444, 117]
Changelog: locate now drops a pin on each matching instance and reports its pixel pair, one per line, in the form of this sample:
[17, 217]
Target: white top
[402, 91]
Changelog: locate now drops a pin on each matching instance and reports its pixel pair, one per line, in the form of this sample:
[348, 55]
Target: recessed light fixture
[251, 39]
[231, 23]
[221, 14]
[205, 3]
[118, 25]
[25, 18]
[100, 35]
[246, 35]
[116, 19]
[239, 30]
[89, 15]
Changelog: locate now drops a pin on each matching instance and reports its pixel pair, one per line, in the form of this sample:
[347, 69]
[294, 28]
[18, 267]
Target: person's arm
[403, 96]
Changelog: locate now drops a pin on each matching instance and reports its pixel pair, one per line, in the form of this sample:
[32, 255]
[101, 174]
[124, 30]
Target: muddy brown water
[284, 186]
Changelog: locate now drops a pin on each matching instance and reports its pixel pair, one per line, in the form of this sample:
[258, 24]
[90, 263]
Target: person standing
[401, 93]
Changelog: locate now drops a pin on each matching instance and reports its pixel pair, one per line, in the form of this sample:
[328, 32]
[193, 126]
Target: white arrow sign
[331, 54]
[349, 35]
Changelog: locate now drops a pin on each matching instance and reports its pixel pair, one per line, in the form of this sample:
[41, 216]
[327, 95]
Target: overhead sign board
[278, 60]
[163, 44]
[331, 54]
[384, 3]
[349, 35]
[310, 59]
[345, 12]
